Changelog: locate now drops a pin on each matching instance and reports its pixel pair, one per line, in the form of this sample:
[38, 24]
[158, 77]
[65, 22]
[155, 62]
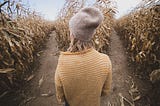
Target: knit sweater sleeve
[107, 85]
[58, 86]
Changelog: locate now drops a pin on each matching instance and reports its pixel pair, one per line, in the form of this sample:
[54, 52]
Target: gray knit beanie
[84, 23]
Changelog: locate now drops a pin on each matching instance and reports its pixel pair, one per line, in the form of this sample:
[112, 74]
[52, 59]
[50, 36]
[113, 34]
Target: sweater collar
[77, 53]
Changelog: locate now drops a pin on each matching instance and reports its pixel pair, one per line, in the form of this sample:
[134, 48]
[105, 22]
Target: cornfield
[22, 32]
[103, 33]
[141, 31]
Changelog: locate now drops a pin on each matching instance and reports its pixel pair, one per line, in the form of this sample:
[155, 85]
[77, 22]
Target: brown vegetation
[21, 32]
[141, 29]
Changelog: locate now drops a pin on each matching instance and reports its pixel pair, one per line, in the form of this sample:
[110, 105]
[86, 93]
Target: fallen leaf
[122, 100]
[3, 94]
[40, 81]
[30, 78]
[47, 94]
[137, 98]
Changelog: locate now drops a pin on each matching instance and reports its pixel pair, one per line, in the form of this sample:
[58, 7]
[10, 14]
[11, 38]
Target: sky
[47, 8]
[50, 8]
[125, 5]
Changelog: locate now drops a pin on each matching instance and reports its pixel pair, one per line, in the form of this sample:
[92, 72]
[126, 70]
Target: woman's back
[83, 75]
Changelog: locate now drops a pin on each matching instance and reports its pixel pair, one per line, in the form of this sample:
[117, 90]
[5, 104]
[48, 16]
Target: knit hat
[83, 24]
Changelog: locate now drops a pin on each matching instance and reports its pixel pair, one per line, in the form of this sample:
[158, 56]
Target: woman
[83, 74]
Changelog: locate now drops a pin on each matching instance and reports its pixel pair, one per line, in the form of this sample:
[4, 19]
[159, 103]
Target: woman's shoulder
[105, 56]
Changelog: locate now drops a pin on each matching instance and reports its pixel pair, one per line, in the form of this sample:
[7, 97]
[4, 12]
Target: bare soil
[128, 89]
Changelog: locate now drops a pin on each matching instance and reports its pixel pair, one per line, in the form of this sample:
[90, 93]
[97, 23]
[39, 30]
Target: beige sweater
[83, 77]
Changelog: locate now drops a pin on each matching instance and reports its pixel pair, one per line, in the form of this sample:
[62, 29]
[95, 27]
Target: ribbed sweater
[83, 77]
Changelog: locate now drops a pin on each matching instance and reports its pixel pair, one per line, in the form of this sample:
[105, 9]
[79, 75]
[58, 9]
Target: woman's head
[83, 25]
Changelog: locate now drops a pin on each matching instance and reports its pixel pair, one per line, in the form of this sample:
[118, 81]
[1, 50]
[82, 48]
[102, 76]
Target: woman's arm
[107, 84]
[59, 88]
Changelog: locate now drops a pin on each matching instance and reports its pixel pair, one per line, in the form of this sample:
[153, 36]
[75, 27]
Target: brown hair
[78, 45]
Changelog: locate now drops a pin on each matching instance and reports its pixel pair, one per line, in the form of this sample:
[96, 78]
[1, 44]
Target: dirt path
[40, 90]
[121, 77]
[127, 89]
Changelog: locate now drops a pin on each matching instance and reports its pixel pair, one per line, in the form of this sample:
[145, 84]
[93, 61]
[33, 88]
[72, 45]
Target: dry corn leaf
[5, 71]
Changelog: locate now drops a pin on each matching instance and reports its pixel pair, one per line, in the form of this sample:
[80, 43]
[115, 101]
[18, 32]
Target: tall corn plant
[22, 31]
[141, 30]
[105, 30]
